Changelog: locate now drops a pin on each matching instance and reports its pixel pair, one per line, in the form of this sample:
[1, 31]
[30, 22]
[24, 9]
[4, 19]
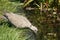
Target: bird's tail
[34, 29]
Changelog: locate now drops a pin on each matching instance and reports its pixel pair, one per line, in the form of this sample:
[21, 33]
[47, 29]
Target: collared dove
[20, 21]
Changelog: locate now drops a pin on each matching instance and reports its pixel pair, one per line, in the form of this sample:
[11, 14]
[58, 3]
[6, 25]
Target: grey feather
[20, 21]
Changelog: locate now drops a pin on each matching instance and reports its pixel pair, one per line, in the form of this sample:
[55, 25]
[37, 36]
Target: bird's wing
[19, 20]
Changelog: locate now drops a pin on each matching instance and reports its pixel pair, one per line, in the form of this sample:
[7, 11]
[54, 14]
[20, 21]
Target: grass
[8, 32]
[12, 33]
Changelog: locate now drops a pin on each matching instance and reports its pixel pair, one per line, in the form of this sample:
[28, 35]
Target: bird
[20, 21]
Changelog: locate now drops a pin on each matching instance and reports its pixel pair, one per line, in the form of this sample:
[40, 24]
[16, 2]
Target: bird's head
[8, 15]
